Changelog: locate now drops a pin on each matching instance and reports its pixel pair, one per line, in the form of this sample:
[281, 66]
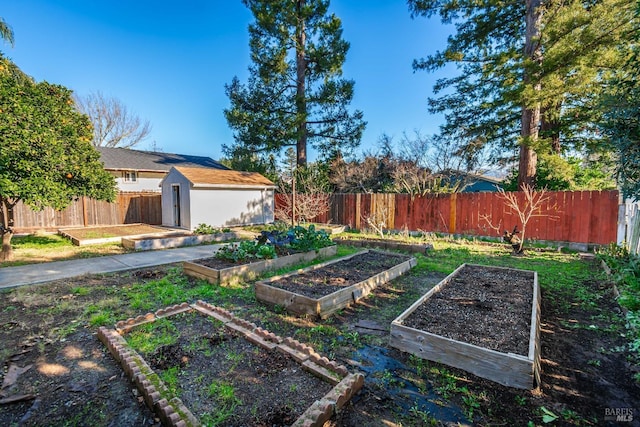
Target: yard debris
[12, 375]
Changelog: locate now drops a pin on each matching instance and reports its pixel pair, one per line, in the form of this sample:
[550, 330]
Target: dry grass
[113, 231]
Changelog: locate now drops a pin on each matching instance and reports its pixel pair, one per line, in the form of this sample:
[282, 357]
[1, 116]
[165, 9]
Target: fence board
[128, 208]
[580, 216]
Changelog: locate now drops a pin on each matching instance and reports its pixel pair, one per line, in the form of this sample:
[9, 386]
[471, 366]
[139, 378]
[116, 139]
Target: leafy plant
[245, 250]
[206, 229]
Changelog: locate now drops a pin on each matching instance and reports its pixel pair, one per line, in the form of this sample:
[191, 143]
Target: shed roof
[207, 177]
[116, 158]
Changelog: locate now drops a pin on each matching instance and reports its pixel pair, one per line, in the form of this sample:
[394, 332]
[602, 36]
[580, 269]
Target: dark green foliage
[245, 251]
[556, 173]
[308, 239]
[581, 44]
[622, 124]
[46, 156]
[295, 94]
[271, 243]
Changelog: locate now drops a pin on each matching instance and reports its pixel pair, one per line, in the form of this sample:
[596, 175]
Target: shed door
[175, 200]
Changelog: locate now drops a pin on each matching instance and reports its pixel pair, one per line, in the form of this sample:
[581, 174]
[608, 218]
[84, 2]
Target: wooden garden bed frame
[328, 304]
[512, 370]
[251, 270]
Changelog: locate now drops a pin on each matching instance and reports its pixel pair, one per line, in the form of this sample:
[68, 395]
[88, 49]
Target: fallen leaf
[12, 375]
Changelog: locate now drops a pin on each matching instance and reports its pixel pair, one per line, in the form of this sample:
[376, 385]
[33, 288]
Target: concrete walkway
[45, 272]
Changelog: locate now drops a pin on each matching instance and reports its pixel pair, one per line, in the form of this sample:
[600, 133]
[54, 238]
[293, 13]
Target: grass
[35, 249]
[563, 278]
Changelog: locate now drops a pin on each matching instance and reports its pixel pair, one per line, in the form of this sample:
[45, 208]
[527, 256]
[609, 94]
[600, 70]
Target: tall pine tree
[530, 72]
[295, 95]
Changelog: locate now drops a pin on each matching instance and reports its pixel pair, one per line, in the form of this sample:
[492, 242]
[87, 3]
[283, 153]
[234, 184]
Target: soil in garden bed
[226, 380]
[328, 279]
[488, 307]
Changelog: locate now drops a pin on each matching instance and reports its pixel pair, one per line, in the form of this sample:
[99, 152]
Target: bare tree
[526, 207]
[113, 124]
[305, 190]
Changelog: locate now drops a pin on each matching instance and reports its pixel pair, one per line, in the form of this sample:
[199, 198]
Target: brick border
[174, 413]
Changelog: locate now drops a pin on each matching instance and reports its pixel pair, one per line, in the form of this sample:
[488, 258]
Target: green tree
[529, 72]
[6, 33]
[46, 156]
[295, 95]
[621, 123]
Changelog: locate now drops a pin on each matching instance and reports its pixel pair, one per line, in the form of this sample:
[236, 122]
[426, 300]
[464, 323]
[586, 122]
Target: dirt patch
[240, 380]
[488, 307]
[326, 280]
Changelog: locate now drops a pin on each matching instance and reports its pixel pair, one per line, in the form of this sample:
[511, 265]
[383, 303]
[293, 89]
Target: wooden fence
[129, 208]
[629, 226]
[589, 217]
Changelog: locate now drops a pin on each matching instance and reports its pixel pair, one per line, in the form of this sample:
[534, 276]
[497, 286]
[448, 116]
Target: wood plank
[520, 371]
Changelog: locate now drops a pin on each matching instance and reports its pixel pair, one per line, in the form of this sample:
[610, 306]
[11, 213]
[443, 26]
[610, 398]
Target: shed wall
[230, 207]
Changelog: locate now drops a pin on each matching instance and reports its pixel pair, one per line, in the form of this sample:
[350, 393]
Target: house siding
[147, 181]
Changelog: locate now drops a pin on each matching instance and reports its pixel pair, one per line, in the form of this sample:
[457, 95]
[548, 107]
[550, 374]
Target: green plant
[547, 415]
[148, 337]
[206, 229]
[309, 239]
[594, 362]
[521, 400]
[170, 379]
[245, 250]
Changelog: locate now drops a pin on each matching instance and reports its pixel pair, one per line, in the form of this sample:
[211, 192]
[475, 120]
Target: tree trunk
[530, 111]
[7, 251]
[301, 101]
[6, 222]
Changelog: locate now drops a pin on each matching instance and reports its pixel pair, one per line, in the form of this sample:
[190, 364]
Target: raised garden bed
[323, 289]
[228, 272]
[419, 248]
[252, 376]
[485, 320]
[111, 233]
[147, 243]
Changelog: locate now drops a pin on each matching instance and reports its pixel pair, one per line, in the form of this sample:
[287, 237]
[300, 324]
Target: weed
[423, 416]
[170, 379]
[147, 338]
[80, 291]
[101, 319]
[594, 362]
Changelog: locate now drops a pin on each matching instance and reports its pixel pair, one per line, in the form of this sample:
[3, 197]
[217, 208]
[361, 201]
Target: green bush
[206, 229]
[246, 250]
[276, 242]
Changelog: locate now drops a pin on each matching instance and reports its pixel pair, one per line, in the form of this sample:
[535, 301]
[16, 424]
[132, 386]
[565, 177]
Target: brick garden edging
[174, 413]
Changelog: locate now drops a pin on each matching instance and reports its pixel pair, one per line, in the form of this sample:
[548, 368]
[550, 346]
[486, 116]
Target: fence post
[85, 215]
[452, 213]
[358, 211]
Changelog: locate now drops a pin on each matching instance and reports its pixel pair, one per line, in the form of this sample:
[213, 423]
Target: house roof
[149, 161]
[207, 177]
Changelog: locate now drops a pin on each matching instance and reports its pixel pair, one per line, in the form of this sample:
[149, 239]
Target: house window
[130, 176]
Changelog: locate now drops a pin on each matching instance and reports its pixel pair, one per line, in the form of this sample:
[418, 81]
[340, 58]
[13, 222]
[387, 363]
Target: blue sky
[168, 61]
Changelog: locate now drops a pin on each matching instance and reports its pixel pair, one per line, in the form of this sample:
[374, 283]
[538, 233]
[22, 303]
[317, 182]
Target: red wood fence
[567, 216]
[129, 208]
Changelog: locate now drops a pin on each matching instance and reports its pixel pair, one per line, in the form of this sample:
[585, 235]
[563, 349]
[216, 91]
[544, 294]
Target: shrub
[206, 229]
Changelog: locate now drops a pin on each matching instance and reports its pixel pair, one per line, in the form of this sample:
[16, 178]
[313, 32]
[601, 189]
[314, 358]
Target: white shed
[220, 198]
